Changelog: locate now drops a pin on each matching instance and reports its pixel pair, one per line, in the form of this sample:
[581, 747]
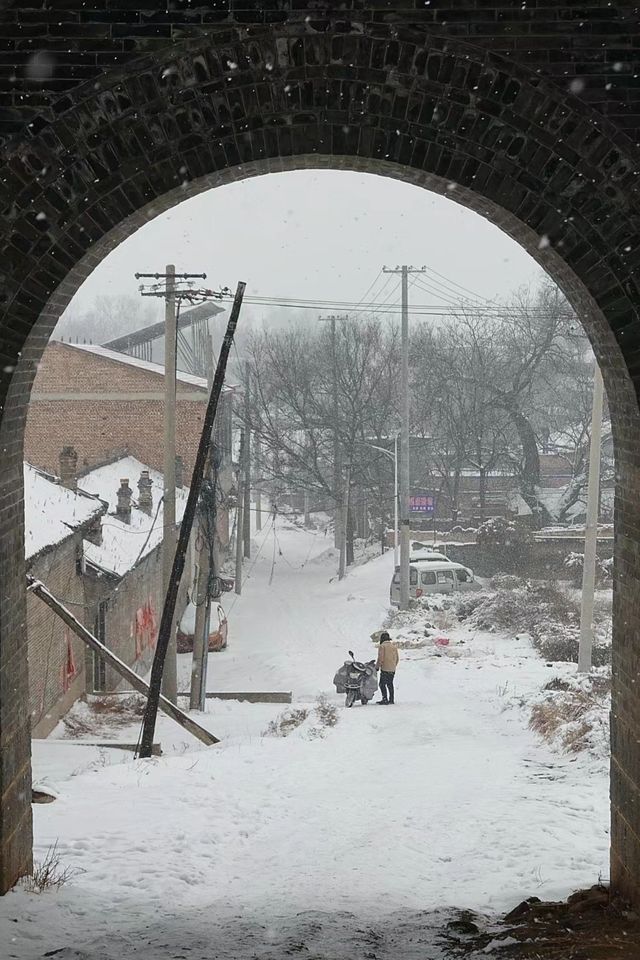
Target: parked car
[218, 629]
[428, 576]
[425, 555]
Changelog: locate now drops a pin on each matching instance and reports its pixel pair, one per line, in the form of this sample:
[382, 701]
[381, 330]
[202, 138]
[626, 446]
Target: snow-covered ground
[347, 844]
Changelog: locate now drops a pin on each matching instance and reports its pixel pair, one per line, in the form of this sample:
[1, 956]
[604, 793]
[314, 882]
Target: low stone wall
[539, 560]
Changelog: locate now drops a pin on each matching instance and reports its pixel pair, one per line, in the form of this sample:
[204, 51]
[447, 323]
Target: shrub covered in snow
[575, 563]
[564, 646]
[574, 714]
[316, 721]
[507, 581]
[546, 613]
[499, 532]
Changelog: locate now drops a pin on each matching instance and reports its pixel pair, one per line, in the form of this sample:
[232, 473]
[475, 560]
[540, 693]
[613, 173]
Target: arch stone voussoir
[464, 107]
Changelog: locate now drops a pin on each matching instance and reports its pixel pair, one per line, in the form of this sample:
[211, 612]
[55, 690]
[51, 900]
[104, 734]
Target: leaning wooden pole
[39, 589]
[164, 634]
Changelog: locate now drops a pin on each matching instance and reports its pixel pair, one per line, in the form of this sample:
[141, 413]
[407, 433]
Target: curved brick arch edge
[588, 258]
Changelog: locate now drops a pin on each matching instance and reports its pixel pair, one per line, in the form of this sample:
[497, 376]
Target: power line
[419, 309]
[371, 286]
[454, 283]
[425, 288]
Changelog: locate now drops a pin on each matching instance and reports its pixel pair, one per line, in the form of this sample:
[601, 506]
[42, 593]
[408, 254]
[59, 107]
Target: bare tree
[109, 316]
[293, 407]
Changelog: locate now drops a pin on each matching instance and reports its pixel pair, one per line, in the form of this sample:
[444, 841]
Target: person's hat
[384, 636]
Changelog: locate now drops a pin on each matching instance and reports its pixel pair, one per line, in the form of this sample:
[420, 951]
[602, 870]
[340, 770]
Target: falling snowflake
[544, 242]
[577, 85]
[40, 66]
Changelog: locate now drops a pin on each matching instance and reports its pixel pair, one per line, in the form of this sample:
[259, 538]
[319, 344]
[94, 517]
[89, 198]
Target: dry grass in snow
[48, 874]
[315, 721]
[574, 714]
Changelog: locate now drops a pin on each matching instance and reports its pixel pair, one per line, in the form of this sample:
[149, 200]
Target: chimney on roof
[179, 473]
[123, 510]
[145, 495]
[69, 468]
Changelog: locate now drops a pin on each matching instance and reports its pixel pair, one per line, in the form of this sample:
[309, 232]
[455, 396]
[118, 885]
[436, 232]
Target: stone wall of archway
[86, 161]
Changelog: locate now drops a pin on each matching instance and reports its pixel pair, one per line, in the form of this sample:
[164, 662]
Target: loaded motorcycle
[357, 680]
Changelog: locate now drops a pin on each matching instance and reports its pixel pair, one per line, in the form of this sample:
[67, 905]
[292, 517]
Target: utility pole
[198, 693]
[246, 525]
[239, 518]
[339, 520]
[206, 559]
[170, 675]
[342, 567]
[186, 529]
[591, 528]
[170, 671]
[257, 492]
[405, 518]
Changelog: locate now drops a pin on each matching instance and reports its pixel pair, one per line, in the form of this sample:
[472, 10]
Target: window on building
[100, 631]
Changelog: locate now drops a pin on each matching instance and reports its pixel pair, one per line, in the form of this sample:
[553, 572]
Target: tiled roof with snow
[51, 511]
[124, 544]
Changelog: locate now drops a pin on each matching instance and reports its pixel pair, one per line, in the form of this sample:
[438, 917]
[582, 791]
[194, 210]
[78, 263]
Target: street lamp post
[392, 456]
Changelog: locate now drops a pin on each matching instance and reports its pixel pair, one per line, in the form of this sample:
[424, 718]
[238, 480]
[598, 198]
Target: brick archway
[396, 98]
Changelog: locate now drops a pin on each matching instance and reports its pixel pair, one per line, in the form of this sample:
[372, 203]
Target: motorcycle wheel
[350, 699]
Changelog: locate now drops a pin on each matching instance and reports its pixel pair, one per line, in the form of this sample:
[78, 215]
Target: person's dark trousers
[386, 685]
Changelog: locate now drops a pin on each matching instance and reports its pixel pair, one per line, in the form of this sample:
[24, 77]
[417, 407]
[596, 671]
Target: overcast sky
[317, 234]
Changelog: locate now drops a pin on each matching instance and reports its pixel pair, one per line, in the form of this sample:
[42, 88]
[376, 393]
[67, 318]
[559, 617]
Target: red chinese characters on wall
[145, 628]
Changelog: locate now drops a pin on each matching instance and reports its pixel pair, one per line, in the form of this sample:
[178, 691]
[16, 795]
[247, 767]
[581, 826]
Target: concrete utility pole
[591, 528]
[170, 670]
[198, 693]
[202, 628]
[339, 521]
[170, 675]
[257, 493]
[246, 524]
[239, 518]
[405, 515]
[342, 567]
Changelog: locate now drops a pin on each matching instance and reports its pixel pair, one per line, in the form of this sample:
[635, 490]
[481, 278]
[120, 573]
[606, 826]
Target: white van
[433, 576]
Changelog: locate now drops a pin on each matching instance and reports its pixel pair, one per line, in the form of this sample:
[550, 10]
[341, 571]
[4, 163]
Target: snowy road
[345, 844]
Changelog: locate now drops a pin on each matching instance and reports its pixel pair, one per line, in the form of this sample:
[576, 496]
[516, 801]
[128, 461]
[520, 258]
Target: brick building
[58, 522]
[108, 404]
[97, 548]
[123, 572]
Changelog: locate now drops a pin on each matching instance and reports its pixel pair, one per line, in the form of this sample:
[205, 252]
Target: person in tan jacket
[387, 662]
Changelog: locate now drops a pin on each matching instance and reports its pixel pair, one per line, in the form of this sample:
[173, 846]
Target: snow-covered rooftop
[124, 544]
[148, 365]
[52, 512]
